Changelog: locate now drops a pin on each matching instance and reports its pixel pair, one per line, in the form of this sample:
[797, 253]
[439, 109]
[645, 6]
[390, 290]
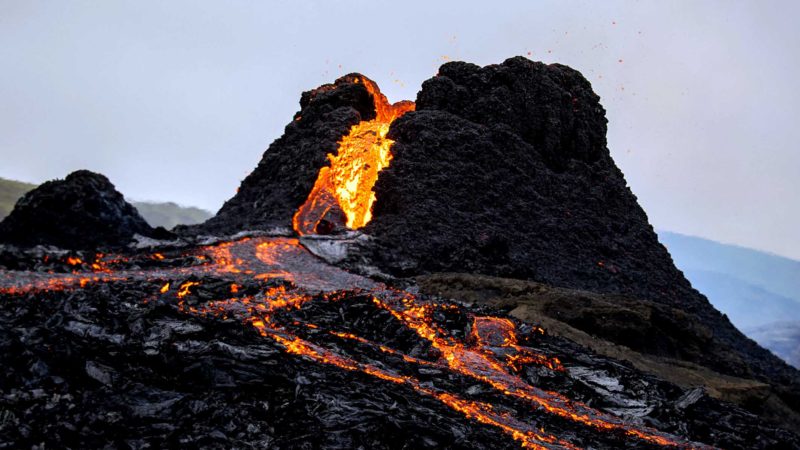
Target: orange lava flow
[501, 332]
[268, 278]
[528, 436]
[345, 187]
[481, 366]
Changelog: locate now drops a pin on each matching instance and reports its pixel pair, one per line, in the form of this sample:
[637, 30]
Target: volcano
[468, 270]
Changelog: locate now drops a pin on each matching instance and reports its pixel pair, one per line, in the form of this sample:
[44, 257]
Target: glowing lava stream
[345, 187]
[482, 412]
[267, 259]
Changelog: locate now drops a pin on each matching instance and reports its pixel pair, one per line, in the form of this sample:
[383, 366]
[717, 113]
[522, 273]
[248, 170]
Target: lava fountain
[342, 193]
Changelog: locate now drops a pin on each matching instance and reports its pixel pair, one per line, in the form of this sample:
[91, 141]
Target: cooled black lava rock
[82, 211]
[504, 170]
[99, 368]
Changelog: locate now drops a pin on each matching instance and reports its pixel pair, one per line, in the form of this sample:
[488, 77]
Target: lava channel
[342, 194]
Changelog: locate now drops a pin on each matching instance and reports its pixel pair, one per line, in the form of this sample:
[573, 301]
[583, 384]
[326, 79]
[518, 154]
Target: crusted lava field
[257, 342]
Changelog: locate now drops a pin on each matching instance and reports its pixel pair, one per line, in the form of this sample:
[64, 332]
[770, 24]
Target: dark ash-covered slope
[504, 170]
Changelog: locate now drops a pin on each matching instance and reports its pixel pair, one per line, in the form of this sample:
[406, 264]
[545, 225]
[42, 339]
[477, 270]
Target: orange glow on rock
[74, 261]
[184, 289]
[345, 187]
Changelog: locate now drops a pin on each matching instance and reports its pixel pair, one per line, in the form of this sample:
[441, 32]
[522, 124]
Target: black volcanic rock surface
[504, 170]
[82, 211]
[125, 362]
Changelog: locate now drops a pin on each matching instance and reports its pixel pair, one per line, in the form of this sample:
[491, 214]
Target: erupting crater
[342, 194]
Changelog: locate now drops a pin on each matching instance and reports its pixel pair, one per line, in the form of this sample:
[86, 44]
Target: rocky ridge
[82, 211]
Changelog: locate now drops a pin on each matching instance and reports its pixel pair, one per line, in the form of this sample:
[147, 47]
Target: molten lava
[343, 190]
[491, 354]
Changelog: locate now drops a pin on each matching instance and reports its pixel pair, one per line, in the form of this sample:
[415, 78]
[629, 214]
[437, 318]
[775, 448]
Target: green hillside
[169, 214]
[10, 191]
[166, 215]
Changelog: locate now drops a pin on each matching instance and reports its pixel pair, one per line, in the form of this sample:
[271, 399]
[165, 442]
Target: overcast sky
[177, 100]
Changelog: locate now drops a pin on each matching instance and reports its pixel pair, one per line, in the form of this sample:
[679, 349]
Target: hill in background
[169, 214]
[165, 215]
[10, 192]
[776, 273]
[759, 291]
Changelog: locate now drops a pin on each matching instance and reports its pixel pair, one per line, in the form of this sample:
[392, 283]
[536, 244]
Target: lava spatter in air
[278, 288]
[345, 187]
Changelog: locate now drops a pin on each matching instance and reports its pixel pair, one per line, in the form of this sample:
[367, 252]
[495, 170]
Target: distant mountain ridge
[157, 214]
[747, 305]
[777, 274]
[170, 214]
[758, 291]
